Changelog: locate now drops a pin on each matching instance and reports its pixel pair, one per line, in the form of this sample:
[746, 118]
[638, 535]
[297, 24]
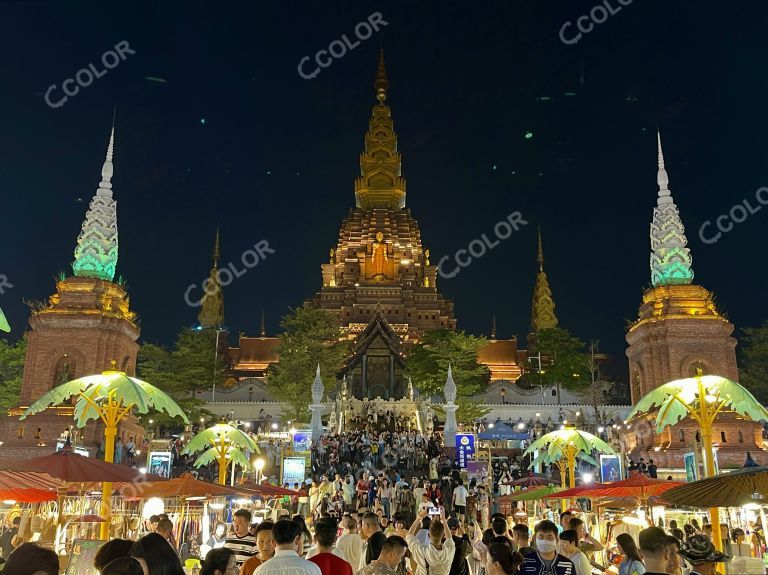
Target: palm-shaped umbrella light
[109, 396]
[223, 443]
[701, 398]
[564, 445]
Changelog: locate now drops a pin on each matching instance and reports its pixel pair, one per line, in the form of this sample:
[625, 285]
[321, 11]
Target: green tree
[310, 337]
[564, 362]
[427, 365]
[11, 372]
[754, 362]
[184, 370]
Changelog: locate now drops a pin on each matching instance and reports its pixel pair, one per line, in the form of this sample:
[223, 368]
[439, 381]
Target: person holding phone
[435, 557]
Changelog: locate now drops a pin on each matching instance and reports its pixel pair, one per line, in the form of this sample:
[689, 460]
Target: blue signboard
[465, 448]
[302, 441]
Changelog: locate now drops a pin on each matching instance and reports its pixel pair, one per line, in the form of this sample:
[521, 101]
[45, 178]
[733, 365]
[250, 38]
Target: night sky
[232, 135]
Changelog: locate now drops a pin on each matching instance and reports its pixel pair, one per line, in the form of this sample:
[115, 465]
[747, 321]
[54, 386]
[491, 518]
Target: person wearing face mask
[546, 560]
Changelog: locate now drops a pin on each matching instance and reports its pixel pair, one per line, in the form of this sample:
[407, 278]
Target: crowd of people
[433, 542]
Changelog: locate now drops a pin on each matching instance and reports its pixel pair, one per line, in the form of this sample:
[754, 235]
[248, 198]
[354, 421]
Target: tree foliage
[183, 371]
[564, 362]
[11, 372]
[754, 362]
[427, 365]
[310, 337]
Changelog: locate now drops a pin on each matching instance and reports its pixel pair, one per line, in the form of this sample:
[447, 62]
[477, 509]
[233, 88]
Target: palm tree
[223, 443]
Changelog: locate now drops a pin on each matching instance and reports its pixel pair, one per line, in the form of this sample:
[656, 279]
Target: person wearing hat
[701, 553]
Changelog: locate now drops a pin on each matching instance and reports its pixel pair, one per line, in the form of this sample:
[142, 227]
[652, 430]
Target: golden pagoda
[379, 262]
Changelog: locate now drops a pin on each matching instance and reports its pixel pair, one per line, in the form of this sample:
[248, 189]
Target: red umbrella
[74, 468]
[637, 486]
[184, 486]
[579, 491]
[266, 490]
[27, 487]
[530, 481]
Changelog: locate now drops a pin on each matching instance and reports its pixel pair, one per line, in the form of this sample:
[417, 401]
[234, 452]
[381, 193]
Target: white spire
[105, 186]
[671, 261]
[96, 251]
[662, 178]
[318, 389]
[450, 387]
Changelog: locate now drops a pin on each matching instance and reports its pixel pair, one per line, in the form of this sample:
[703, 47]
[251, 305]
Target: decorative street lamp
[109, 396]
[702, 398]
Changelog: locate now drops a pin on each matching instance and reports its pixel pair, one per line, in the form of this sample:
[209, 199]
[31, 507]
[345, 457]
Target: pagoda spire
[543, 308]
[96, 251]
[671, 262]
[212, 308]
[380, 184]
[263, 332]
[493, 327]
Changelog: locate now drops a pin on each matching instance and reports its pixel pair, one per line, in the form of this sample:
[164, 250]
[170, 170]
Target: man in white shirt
[460, 500]
[425, 504]
[435, 557]
[350, 544]
[289, 539]
[569, 546]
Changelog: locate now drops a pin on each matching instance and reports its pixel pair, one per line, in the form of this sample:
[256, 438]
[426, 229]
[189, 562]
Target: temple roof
[377, 327]
[255, 352]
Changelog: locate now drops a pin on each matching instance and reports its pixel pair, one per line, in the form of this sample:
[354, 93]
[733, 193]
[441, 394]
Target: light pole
[215, 361]
[151, 434]
[259, 465]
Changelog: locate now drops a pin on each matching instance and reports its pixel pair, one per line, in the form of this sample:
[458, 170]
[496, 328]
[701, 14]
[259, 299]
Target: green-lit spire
[671, 262]
[96, 251]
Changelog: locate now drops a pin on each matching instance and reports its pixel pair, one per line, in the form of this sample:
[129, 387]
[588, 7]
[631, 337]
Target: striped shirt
[244, 547]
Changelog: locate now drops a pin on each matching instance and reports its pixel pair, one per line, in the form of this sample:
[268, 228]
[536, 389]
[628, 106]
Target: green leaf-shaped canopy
[128, 391]
[212, 454]
[212, 436]
[672, 398]
[554, 443]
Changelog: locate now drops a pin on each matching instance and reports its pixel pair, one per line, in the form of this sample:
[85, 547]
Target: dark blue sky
[277, 155]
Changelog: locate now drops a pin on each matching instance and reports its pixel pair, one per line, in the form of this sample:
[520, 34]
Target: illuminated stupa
[84, 328]
[678, 332]
[379, 262]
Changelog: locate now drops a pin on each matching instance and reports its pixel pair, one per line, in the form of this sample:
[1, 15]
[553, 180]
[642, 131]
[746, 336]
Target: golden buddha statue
[379, 255]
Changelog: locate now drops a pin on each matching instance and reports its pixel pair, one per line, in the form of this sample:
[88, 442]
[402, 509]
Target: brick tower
[84, 328]
[679, 330]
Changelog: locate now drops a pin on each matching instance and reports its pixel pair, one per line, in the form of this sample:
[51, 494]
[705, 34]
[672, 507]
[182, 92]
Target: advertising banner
[610, 468]
[302, 441]
[294, 470]
[465, 448]
[160, 464]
